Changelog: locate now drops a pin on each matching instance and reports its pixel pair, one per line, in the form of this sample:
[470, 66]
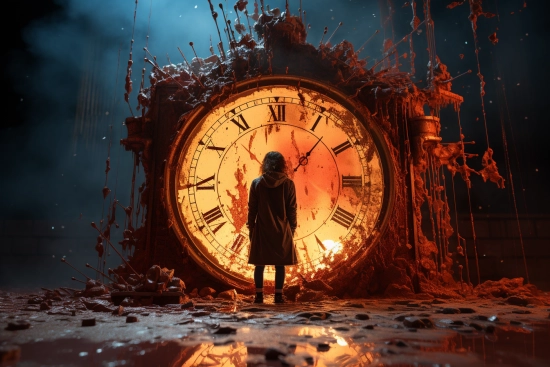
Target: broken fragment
[229, 294]
[18, 325]
[88, 322]
[207, 291]
[131, 319]
[454, 4]
[490, 169]
[493, 38]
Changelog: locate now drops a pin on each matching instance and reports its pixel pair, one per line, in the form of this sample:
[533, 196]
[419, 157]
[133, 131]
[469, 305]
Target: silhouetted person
[272, 222]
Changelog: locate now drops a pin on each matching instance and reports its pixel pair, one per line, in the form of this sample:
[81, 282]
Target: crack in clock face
[330, 156]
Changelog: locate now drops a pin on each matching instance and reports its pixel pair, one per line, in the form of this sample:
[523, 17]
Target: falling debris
[454, 4]
[493, 38]
[490, 169]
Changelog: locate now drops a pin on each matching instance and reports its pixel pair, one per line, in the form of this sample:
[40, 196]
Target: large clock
[336, 156]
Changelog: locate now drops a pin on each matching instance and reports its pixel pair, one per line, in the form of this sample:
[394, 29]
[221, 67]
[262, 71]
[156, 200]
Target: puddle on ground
[305, 346]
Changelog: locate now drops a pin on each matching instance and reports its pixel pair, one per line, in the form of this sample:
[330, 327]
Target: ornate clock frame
[393, 102]
[353, 233]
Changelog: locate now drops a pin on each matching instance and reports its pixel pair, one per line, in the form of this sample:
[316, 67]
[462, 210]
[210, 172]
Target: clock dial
[337, 166]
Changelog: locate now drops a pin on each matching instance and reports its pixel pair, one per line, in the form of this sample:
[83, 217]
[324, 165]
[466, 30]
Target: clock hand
[252, 155]
[308, 153]
[303, 160]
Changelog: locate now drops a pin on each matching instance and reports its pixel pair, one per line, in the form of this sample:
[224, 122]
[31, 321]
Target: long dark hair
[273, 162]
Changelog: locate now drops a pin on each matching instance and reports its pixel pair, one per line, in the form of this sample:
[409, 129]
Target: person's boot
[279, 298]
[259, 297]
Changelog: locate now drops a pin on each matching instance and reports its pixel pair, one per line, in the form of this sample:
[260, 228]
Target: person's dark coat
[272, 220]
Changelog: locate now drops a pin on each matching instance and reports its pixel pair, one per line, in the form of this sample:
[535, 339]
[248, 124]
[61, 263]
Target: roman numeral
[352, 181]
[212, 147]
[343, 217]
[238, 244]
[217, 228]
[212, 215]
[242, 125]
[340, 148]
[277, 113]
[201, 184]
[320, 243]
[219, 150]
[316, 122]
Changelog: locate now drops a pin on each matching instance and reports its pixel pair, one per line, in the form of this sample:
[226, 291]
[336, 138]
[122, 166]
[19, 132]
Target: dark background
[64, 64]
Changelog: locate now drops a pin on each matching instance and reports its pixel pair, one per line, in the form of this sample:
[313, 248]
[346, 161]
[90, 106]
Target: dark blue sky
[61, 51]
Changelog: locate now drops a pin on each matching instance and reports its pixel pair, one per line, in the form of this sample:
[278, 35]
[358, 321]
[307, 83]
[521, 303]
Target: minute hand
[303, 160]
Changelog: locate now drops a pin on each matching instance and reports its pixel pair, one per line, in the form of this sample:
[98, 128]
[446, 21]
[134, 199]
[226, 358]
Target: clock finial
[248, 21]
[339, 25]
[215, 17]
[228, 26]
[181, 52]
[322, 38]
[195, 52]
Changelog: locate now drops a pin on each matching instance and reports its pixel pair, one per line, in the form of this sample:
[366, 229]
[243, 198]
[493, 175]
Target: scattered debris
[225, 331]
[493, 38]
[88, 322]
[272, 354]
[131, 319]
[207, 291]
[229, 295]
[417, 323]
[18, 325]
[362, 316]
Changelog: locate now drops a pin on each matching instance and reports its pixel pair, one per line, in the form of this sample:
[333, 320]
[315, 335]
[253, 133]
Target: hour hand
[304, 160]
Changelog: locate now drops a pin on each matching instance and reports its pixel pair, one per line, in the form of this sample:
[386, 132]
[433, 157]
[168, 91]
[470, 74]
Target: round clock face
[339, 166]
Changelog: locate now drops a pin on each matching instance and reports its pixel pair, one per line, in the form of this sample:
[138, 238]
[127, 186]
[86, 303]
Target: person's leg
[279, 282]
[259, 282]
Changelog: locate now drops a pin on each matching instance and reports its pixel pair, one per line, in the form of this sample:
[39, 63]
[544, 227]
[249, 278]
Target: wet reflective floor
[381, 332]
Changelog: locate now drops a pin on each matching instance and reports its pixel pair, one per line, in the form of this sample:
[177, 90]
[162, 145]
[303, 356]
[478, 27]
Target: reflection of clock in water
[336, 158]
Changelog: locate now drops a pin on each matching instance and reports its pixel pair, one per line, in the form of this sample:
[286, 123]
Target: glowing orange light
[333, 160]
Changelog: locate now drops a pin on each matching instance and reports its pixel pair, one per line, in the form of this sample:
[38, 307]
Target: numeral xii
[278, 112]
